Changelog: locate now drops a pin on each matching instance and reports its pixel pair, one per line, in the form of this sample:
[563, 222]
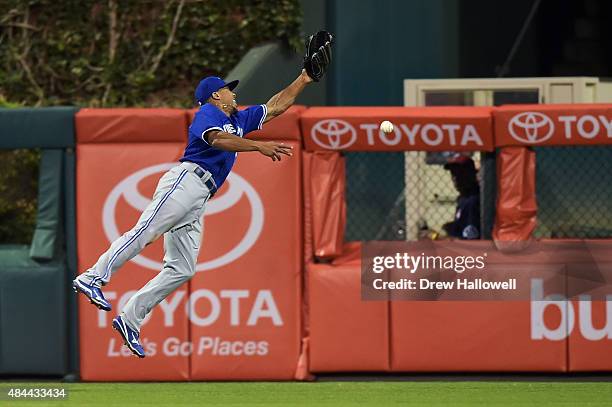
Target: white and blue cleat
[130, 337]
[93, 293]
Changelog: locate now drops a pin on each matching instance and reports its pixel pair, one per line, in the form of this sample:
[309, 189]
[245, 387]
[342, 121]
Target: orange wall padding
[280, 316]
[590, 335]
[302, 372]
[245, 299]
[346, 333]
[306, 188]
[470, 337]
[327, 184]
[415, 128]
[266, 278]
[553, 125]
[590, 339]
[130, 125]
[102, 172]
[515, 216]
[497, 333]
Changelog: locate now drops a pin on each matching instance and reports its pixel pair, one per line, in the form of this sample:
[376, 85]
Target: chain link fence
[574, 192]
[394, 196]
[403, 196]
[375, 196]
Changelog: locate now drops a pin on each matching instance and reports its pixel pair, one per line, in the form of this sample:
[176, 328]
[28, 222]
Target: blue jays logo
[229, 128]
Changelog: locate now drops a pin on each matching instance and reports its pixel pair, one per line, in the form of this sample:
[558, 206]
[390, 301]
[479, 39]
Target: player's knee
[190, 272]
[187, 273]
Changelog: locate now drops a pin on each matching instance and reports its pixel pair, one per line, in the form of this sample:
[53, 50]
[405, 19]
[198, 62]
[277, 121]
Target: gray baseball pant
[175, 212]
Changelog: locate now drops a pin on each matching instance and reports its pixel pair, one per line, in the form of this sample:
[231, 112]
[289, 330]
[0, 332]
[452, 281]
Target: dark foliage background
[130, 52]
[18, 190]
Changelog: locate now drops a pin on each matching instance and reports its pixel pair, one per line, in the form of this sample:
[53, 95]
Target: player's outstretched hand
[274, 149]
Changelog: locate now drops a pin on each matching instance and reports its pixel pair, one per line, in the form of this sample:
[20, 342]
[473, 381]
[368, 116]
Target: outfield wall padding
[131, 125]
[44, 127]
[239, 317]
[270, 313]
[36, 324]
[327, 183]
[553, 125]
[516, 211]
[346, 333]
[415, 128]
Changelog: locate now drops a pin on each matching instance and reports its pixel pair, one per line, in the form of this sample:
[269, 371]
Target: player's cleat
[130, 337]
[93, 293]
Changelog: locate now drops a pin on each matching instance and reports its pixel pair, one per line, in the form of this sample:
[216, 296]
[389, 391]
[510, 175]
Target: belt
[210, 183]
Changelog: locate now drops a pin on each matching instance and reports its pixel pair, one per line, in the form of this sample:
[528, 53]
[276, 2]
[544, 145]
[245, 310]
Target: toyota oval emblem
[531, 127]
[333, 134]
[238, 186]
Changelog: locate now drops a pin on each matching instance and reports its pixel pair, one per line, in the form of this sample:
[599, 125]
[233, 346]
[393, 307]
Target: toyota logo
[333, 134]
[531, 127]
[238, 186]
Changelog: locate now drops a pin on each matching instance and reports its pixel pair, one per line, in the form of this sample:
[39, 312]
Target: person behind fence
[467, 213]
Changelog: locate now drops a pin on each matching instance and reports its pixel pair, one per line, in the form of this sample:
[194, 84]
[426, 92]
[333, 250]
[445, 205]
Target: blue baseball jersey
[467, 218]
[210, 117]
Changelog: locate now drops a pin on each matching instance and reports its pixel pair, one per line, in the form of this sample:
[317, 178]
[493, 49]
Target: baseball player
[216, 136]
[466, 224]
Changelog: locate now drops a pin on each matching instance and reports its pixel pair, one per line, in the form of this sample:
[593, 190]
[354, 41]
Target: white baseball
[386, 126]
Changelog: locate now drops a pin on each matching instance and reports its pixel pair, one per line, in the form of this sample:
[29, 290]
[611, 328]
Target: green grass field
[437, 393]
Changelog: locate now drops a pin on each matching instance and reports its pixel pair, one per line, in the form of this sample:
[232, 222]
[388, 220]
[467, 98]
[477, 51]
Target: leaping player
[215, 138]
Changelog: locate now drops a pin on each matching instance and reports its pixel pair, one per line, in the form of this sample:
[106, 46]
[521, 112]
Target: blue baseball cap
[211, 84]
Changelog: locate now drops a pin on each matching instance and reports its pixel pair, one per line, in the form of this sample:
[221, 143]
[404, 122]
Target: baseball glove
[318, 54]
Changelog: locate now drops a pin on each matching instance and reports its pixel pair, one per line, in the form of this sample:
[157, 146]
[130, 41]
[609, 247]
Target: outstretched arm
[229, 142]
[280, 102]
[316, 62]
